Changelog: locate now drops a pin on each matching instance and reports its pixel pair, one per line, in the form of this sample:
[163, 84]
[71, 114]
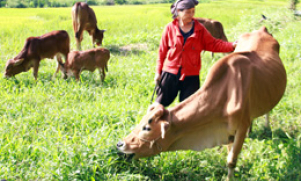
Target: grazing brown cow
[55, 43]
[84, 18]
[86, 60]
[239, 87]
[214, 27]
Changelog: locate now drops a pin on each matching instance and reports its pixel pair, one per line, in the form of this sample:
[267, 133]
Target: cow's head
[14, 66]
[148, 137]
[98, 37]
[258, 40]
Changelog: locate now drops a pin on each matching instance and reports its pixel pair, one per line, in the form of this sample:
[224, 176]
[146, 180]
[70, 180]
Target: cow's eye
[150, 121]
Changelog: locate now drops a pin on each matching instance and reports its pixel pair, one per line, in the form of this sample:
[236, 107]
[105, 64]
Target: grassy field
[55, 129]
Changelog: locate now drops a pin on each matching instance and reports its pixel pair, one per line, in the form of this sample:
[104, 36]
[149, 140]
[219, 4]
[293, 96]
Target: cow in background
[84, 18]
[54, 43]
[239, 87]
[214, 27]
[86, 60]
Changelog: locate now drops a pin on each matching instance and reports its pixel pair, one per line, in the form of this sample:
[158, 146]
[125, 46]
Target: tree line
[69, 3]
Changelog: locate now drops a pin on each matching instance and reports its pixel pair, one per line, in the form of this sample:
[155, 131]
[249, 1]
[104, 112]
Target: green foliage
[68, 3]
[55, 129]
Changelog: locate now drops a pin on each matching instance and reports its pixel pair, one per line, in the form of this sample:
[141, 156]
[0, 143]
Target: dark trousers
[170, 86]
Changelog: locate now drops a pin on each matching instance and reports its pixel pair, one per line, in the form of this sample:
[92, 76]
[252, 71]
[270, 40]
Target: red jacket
[173, 55]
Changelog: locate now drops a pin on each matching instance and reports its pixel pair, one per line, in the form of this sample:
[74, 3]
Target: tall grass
[55, 129]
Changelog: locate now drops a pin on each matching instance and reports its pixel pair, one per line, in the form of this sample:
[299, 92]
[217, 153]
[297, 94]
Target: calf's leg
[76, 73]
[102, 74]
[36, 68]
[59, 59]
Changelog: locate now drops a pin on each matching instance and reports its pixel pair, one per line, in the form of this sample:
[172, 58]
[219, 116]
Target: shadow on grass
[261, 134]
[89, 78]
[127, 50]
[95, 81]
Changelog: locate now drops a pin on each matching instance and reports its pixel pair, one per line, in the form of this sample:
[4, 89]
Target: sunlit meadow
[56, 129]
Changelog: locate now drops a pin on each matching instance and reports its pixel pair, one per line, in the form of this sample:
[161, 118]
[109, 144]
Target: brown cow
[55, 43]
[86, 60]
[239, 87]
[84, 18]
[214, 27]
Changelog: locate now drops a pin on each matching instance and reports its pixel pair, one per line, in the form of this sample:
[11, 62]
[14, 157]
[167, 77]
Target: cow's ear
[164, 128]
[18, 62]
[9, 66]
[152, 106]
[263, 28]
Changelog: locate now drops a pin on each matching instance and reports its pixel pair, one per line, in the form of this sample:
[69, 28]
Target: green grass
[55, 129]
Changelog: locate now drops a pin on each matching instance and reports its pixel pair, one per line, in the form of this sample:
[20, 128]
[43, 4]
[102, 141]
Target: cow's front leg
[102, 74]
[76, 73]
[36, 64]
[59, 60]
[235, 148]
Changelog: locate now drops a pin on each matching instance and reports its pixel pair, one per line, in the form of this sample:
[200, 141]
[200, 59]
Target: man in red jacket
[179, 60]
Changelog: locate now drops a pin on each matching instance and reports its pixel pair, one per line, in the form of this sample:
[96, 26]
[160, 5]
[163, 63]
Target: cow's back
[251, 82]
[102, 56]
[52, 43]
[268, 83]
[83, 16]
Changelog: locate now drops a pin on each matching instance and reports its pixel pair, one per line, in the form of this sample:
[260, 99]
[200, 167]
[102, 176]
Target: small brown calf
[90, 60]
[54, 43]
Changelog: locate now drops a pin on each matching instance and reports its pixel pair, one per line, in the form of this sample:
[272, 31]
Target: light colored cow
[83, 18]
[239, 87]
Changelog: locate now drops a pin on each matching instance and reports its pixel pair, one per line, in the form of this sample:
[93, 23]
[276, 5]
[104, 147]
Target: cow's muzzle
[6, 76]
[127, 156]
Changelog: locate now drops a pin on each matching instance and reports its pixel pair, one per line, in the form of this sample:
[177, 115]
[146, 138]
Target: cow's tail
[76, 18]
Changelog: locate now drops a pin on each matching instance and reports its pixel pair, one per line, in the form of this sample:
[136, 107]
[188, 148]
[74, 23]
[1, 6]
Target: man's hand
[234, 44]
